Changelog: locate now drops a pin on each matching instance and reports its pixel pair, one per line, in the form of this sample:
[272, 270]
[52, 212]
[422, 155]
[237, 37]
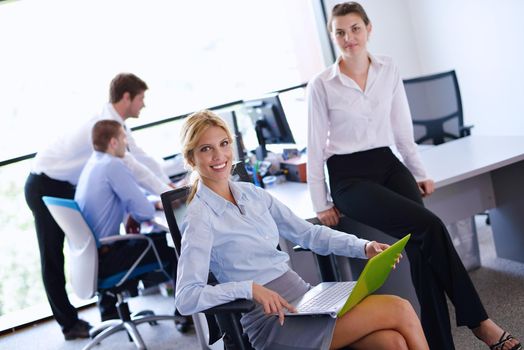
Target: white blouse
[343, 119]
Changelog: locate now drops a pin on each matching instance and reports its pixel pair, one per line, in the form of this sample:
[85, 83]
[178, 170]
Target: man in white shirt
[55, 172]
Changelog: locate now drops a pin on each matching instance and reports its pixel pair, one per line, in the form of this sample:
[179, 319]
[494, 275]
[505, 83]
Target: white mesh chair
[83, 251]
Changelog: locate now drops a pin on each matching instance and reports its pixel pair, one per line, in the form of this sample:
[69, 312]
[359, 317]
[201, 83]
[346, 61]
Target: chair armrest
[299, 248]
[465, 130]
[150, 246]
[126, 237]
[239, 305]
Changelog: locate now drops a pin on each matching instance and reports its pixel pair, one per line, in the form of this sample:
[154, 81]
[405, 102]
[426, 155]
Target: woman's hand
[329, 217]
[271, 301]
[427, 187]
[374, 248]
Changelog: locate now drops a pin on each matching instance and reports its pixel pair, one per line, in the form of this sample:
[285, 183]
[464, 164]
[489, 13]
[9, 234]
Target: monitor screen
[270, 122]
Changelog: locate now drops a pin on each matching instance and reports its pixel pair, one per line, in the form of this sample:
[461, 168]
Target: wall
[483, 41]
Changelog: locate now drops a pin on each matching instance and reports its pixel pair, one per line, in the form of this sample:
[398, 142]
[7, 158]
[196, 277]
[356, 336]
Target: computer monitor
[270, 122]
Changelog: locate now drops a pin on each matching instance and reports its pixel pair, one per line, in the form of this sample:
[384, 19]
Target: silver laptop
[337, 298]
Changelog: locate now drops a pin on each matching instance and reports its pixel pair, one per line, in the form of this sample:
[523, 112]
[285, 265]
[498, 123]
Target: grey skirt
[304, 332]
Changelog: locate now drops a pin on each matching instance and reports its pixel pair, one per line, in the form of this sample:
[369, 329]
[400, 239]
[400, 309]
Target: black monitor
[270, 122]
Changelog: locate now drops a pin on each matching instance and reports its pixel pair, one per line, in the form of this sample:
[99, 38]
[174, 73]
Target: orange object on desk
[296, 169]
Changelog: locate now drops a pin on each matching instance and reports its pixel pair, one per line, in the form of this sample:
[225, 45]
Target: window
[60, 55]
[191, 54]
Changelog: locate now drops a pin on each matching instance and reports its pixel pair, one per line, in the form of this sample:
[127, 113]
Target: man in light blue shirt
[106, 193]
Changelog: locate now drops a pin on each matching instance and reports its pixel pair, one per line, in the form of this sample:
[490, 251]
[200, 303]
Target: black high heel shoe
[503, 339]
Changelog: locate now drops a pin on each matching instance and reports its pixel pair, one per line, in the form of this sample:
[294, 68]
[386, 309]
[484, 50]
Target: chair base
[109, 327]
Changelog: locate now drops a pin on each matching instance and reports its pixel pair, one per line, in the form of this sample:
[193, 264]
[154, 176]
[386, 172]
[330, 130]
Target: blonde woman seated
[233, 230]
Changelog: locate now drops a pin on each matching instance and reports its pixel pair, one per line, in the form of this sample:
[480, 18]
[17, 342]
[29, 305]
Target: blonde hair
[192, 129]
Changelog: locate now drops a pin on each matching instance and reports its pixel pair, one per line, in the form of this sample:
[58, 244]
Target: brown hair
[345, 8]
[125, 82]
[194, 126]
[102, 133]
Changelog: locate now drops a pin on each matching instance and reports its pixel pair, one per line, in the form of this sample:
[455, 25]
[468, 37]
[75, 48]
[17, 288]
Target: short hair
[102, 133]
[125, 82]
[345, 8]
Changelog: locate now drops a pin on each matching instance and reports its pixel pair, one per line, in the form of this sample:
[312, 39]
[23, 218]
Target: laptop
[337, 298]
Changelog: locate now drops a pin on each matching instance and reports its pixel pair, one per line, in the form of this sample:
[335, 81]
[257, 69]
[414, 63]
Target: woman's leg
[401, 181]
[381, 340]
[378, 313]
[435, 265]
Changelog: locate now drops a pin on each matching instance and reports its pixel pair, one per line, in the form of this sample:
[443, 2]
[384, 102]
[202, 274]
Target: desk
[471, 174]
[477, 173]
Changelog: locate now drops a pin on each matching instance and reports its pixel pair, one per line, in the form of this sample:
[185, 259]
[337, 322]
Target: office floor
[47, 335]
[499, 282]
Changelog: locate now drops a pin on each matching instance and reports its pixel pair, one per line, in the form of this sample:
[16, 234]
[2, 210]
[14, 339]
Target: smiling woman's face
[213, 156]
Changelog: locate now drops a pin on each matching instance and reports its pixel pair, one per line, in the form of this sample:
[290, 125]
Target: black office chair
[223, 320]
[436, 108]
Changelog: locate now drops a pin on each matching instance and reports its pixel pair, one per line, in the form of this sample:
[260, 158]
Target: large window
[58, 57]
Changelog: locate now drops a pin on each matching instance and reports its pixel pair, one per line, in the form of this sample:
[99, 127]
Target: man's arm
[145, 177]
[146, 160]
[125, 186]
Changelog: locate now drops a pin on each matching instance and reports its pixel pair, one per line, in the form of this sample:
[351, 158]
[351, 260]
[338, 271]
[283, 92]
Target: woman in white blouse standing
[357, 108]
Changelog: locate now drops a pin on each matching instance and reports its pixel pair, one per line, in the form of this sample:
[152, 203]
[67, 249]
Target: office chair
[83, 250]
[436, 108]
[223, 320]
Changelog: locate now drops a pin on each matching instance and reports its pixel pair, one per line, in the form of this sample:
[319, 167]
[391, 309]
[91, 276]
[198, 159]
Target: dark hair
[103, 131]
[345, 8]
[125, 82]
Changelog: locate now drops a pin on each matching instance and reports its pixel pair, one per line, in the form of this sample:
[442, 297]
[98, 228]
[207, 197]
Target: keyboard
[327, 298]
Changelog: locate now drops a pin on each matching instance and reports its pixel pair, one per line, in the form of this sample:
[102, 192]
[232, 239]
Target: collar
[376, 62]
[216, 202]
[114, 114]
[101, 155]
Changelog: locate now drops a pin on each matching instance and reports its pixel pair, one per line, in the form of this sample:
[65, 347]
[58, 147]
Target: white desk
[477, 173]
[471, 175]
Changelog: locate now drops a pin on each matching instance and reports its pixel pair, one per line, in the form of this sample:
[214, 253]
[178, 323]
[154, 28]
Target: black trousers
[375, 188]
[51, 244]
[121, 255]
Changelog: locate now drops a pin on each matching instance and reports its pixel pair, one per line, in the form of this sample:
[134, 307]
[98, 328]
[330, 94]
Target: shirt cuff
[324, 207]
[360, 248]
[247, 289]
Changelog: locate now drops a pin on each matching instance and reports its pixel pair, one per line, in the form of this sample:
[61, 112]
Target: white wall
[482, 40]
